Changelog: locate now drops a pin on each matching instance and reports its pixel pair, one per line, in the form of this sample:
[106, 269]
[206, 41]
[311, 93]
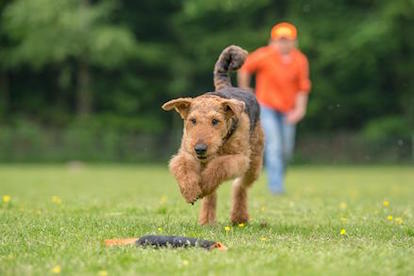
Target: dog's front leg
[186, 171]
[222, 168]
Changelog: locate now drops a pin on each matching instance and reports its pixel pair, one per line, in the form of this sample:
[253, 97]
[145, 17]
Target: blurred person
[282, 87]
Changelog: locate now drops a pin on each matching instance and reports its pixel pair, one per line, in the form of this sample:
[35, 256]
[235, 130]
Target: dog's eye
[214, 122]
[193, 121]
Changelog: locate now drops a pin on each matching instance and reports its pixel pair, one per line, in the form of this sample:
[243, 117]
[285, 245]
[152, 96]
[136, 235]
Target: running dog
[222, 140]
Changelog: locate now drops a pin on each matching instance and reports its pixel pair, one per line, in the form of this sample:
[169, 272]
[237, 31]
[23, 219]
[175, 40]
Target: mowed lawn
[332, 221]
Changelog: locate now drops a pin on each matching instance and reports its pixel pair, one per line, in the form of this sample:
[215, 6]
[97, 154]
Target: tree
[57, 32]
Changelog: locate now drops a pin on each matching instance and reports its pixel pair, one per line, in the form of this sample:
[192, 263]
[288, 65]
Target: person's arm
[243, 79]
[250, 66]
[299, 110]
[301, 101]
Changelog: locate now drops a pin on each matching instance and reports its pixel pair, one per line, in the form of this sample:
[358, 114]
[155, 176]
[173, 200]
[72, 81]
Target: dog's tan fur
[238, 156]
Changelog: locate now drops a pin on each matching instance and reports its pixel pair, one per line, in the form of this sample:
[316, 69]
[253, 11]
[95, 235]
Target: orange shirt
[278, 82]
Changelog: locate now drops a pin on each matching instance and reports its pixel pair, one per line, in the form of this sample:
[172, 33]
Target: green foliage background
[83, 79]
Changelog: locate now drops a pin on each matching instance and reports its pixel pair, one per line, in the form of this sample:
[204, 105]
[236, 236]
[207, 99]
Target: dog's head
[207, 122]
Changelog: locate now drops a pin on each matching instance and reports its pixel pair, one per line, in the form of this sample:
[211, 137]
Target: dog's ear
[233, 108]
[181, 105]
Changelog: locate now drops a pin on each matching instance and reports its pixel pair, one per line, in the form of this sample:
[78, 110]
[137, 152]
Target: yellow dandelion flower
[399, 220]
[56, 269]
[57, 200]
[227, 228]
[263, 238]
[160, 229]
[389, 218]
[343, 232]
[163, 199]
[241, 225]
[185, 262]
[6, 198]
[102, 273]
[343, 205]
[386, 203]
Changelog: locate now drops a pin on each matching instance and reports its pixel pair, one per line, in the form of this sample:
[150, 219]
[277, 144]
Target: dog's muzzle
[201, 150]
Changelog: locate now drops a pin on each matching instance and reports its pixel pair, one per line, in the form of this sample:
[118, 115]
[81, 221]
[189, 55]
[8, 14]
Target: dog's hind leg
[239, 212]
[208, 209]
[239, 209]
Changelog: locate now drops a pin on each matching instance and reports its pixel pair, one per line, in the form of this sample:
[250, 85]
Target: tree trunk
[84, 94]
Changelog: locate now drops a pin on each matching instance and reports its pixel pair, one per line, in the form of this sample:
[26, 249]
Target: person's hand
[296, 115]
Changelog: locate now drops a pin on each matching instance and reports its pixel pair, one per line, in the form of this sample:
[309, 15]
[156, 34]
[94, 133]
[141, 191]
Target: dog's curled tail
[232, 58]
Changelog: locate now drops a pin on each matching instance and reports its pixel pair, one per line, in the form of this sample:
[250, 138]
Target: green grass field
[57, 218]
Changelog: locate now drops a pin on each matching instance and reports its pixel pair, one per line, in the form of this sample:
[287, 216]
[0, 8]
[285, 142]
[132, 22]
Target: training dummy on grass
[222, 140]
[154, 241]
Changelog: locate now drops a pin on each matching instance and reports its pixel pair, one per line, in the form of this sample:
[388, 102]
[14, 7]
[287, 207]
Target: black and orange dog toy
[167, 241]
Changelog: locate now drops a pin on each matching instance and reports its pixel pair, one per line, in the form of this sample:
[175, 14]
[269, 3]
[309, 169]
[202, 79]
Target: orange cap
[284, 30]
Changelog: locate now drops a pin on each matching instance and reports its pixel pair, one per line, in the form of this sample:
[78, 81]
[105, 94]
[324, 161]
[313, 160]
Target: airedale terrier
[222, 140]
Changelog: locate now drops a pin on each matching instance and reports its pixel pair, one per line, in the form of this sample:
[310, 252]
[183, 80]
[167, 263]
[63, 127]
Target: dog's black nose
[200, 149]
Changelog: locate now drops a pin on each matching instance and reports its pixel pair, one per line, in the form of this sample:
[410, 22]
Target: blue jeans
[279, 143]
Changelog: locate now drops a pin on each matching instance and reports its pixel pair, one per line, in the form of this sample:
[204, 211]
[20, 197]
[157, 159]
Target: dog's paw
[191, 194]
[192, 203]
